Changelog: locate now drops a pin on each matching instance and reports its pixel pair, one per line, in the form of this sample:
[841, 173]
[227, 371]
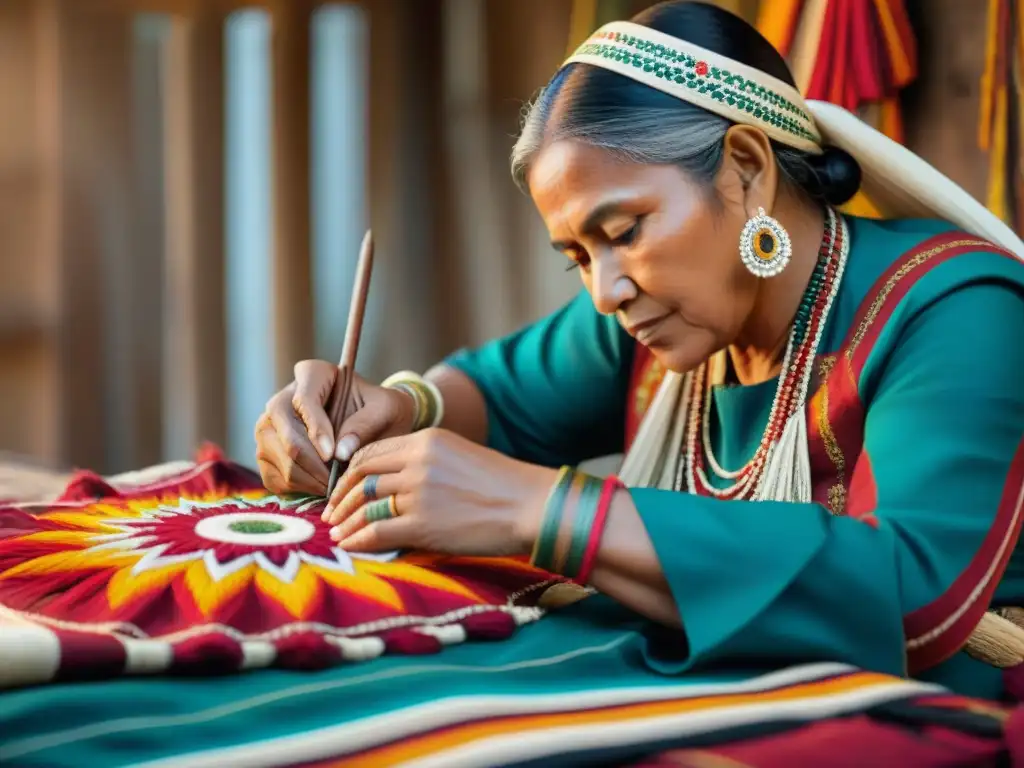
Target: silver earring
[764, 245]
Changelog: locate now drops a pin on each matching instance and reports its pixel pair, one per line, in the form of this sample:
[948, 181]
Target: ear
[748, 176]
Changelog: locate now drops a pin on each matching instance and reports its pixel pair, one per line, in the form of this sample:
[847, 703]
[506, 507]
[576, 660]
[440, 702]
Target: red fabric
[926, 732]
[853, 743]
[207, 572]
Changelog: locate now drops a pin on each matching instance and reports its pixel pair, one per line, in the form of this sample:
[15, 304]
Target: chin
[679, 358]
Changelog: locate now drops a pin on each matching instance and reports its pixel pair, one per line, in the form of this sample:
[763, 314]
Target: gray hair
[682, 135]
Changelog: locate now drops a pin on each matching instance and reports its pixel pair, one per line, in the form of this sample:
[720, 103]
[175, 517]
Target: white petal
[219, 570]
[137, 542]
[341, 563]
[153, 558]
[285, 573]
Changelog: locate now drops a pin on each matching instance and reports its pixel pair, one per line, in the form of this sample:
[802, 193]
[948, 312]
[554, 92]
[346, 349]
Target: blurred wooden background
[184, 184]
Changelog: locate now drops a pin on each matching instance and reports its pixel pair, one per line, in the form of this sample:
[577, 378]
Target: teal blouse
[942, 390]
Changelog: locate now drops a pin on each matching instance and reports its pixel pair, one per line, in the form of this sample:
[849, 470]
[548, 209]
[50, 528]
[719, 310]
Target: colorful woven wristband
[544, 548]
[608, 489]
[582, 524]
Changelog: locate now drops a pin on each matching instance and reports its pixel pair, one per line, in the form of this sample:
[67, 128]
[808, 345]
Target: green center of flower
[256, 526]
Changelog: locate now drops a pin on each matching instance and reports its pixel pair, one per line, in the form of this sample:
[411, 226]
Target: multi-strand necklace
[794, 381]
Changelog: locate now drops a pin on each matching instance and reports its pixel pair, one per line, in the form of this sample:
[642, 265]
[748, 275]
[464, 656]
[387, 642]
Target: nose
[609, 287]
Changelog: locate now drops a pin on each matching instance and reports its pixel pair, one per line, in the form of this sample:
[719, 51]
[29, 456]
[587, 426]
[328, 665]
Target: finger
[271, 478]
[314, 380]
[357, 498]
[380, 458]
[382, 536]
[362, 427]
[295, 445]
[289, 476]
[363, 493]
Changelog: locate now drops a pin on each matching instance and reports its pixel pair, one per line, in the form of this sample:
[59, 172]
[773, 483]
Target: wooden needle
[338, 401]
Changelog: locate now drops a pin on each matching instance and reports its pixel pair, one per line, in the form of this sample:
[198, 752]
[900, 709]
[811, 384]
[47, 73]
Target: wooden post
[195, 401]
[942, 107]
[406, 189]
[482, 263]
[526, 44]
[29, 423]
[293, 297]
[84, 66]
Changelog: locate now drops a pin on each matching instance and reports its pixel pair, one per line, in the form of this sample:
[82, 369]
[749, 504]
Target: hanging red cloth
[1000, 111]
[858, 54]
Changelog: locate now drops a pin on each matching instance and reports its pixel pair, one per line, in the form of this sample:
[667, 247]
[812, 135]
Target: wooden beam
[194, 332]
[292, 276]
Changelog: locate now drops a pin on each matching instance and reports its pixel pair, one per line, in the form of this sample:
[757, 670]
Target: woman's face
[652, 248]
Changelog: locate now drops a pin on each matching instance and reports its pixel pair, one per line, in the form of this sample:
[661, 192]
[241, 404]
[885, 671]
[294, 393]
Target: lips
[643, 330]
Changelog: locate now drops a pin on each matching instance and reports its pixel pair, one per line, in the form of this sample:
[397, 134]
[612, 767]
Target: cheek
[696, 272]
[683, 266]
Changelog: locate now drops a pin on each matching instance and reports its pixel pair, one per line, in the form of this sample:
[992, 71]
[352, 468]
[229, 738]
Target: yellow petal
[209, 595]
[124, 585]
[296, 596]
[81, 538]
[90, 521]
[413, 574]
[363, 585]
[61, 562]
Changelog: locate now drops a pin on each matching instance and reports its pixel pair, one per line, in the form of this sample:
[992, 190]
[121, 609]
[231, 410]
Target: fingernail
[326, 515]
[347, 446]
[336, 532]
[325, 446]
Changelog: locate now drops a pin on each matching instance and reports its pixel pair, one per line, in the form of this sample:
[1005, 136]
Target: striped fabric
[822, 715]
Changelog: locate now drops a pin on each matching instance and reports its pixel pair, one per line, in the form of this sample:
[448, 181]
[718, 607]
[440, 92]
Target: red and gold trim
[644, 381]
[836, 412]
[890, 289]
[938, 630]
[835, 423]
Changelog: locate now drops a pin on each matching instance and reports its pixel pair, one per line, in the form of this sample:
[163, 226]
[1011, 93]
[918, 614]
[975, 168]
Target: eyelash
[625, 239]
[629, 236]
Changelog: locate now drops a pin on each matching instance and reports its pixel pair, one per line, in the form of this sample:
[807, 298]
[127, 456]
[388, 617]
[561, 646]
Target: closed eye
[628, 237]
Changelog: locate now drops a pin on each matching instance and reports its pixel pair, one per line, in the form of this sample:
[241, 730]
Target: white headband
[704, 78]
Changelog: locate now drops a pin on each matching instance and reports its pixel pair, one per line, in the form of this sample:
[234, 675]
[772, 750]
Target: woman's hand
[452, 496]
[295, 439]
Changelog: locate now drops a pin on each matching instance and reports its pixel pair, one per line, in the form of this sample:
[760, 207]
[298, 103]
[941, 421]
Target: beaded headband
[703, 78]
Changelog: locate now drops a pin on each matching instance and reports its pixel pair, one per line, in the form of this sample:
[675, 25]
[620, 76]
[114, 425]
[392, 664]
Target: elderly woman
[823, 414]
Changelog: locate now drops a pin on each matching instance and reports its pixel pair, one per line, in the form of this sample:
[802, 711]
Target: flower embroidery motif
[245, 559]
[203, 568]
[228, 535]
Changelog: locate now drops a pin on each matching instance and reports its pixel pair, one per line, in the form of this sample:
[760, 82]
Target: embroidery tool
[338, 401]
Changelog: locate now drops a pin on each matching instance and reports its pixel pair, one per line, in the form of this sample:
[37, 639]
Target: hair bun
[838, 174]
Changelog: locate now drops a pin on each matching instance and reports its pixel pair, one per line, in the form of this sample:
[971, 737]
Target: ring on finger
[370, 487]
[380, 509]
